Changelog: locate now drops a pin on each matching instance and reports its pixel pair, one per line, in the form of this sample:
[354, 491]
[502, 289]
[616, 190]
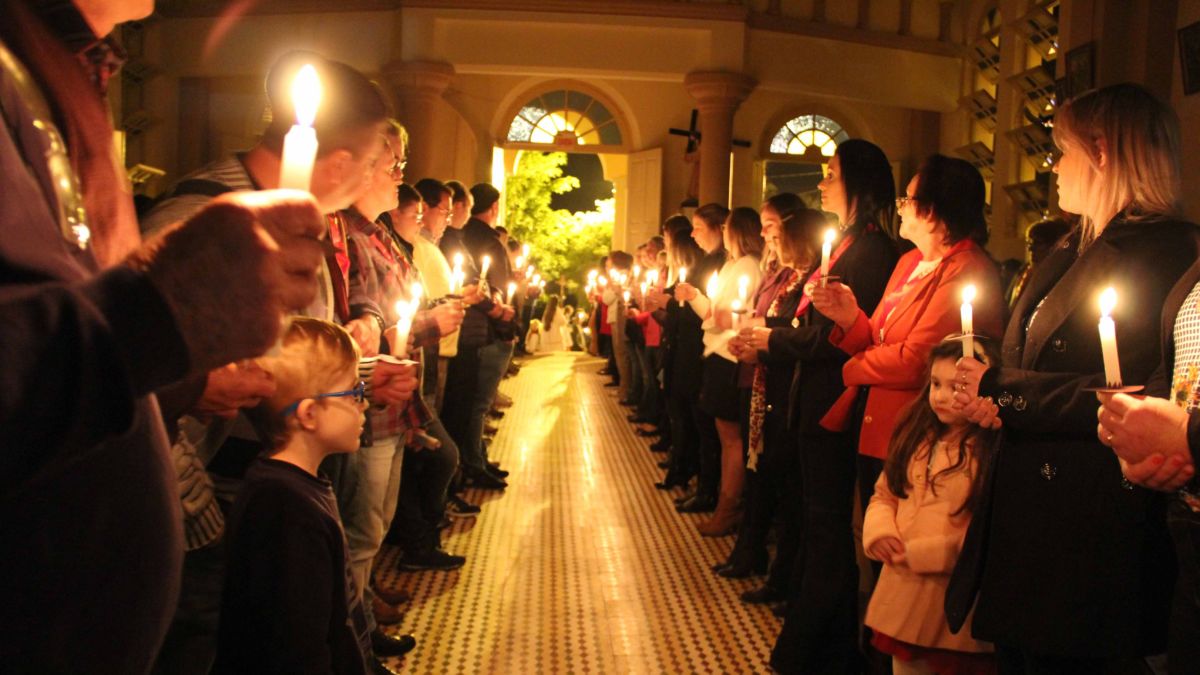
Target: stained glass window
[808, 131]
[564, 117]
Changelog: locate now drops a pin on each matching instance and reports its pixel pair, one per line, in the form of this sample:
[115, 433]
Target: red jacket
[651, 329]
[894, 366]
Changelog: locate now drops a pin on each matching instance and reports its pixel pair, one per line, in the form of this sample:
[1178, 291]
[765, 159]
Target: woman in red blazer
[942, 215]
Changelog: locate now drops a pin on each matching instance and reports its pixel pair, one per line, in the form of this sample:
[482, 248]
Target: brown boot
[385, 614]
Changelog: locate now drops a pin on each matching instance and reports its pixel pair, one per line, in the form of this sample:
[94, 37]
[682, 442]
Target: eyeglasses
[902, 202]
[359, 393]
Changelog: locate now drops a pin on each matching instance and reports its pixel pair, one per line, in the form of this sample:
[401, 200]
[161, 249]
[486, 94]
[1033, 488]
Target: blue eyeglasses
[359, 393]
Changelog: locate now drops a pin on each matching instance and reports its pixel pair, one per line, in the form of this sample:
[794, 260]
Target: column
[717, 96]
[418, 87]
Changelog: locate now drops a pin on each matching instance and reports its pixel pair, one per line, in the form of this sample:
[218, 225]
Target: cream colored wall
[638, 63]
[1188, 108]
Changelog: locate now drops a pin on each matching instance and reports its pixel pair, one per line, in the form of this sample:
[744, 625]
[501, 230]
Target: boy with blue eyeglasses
[290, 604]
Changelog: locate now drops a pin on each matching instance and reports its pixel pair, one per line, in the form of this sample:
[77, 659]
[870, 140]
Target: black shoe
[671, 481]
[391, 645]
[457, 507]
[604, 371]
[638, 419]
[723, 565]
[380, 668]
[779, 609]
[486, 481]
[661, 445]
[495, 414]
[612, 384]
[745, 566]
[763, 595]
[437, 560]
[494, 469]
[665, 464]
[684, 498]
[698, 504]
[628, 404]
[647, 432]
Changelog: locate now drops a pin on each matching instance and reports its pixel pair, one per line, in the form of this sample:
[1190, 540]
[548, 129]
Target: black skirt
[719, 388]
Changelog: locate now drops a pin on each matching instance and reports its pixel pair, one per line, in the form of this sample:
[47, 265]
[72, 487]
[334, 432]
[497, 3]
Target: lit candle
[300, 144]
[512, 290]
[711, 288]
[637, 272]
[737, 313]
[1108, 338]
[652, 277]
[406, 311]
[682, 279]
[520, 262]
[603, 280]
[968, 321]
[625, 297]
[826, 249]
[537, 280]
[525, 250]
[483, 270]
[592, 274]
[743, 288]
[529, 271]
[644, 286]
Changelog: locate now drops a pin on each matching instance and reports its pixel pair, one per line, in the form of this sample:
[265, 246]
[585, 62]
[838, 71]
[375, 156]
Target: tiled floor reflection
[581, 566]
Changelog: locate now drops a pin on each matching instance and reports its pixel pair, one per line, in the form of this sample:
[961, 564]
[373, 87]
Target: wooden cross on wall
[692, 156]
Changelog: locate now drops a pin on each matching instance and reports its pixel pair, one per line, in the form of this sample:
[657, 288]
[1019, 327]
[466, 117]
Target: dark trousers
[648, 360]
[606, 350]
[709, 455]
[424, 478]
[820, 632]
[685, 437]
[1183, 651]
[764, 487]
[462, 382]
[1014, 661]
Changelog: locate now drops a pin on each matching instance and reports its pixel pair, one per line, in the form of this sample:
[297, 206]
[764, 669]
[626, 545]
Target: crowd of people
[216, 410]
[782, 377]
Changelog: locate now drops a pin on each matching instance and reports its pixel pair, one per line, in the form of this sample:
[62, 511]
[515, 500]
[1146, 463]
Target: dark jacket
[686, 346]
[89, 510]
[476, 326]
[1076, 561]
[817, 381]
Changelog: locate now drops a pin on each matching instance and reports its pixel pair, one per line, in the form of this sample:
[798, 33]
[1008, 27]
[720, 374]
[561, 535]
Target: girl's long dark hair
[919, 427]
[870, 187]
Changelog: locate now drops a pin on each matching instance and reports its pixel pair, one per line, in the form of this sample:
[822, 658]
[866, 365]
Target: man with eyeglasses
[216, 445]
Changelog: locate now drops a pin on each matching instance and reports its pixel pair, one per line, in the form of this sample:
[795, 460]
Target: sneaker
[437, 560]
[457, 507]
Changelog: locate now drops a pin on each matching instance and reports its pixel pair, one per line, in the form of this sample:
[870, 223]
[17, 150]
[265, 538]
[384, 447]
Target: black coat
[817, 382]
[686, 337]
[1076, 561]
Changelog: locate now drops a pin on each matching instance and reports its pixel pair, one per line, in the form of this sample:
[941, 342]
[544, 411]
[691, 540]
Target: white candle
[525, 250]
[603, 281]
[487, 262]
[592, 274]
[637, 272]
[1108, 338]
[682, 279]
[968, 321]
[826, 249]
[625, 296]
[537, 280]
[529, 271]
[652, 277]
[743, 288]
[519, 263]
[300, 143]
[644, 286]
[737, 313]
[512, 290]
[711, 288]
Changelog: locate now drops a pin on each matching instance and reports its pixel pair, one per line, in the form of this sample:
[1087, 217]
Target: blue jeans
[493, 363]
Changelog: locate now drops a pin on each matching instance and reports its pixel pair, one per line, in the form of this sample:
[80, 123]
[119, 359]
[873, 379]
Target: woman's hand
[837, 302]
[742, 350]
[982, 412]
[889, 550]
[757, 338]
[1137, 428]
[966, 380]
[1165, 474]
[685, 291]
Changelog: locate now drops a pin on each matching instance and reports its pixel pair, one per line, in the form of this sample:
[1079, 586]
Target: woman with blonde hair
[1071, 562]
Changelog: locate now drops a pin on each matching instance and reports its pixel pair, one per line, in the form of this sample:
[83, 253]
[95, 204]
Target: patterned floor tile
[581, 566]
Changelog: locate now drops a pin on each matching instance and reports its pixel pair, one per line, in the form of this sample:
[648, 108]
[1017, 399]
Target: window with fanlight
[808, 135]
[564, 118]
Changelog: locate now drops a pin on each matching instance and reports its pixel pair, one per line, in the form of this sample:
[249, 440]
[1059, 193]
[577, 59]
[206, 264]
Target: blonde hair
[314, 357]
[1140, 138]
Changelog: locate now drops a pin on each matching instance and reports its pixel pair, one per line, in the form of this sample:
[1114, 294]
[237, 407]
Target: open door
[644, 202]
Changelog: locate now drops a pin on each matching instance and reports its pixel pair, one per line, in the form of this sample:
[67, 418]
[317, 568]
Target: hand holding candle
[300, 144]
[1108, 338]
[968, 321]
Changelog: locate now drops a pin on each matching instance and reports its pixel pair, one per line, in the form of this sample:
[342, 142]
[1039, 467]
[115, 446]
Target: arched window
[808, 133]
[564, 118]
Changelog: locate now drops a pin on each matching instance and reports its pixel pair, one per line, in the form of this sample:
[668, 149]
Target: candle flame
[525, 250]
[830, 235]
[737, 305]
[416, 292]
[1108, 301]
[682, 275]
[712, 285]
[306, 95]
[458, 259]
[592, 274]
[512, 288]
[968, 294]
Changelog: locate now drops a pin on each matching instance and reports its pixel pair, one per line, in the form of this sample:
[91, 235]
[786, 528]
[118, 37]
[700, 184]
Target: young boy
[289, 603]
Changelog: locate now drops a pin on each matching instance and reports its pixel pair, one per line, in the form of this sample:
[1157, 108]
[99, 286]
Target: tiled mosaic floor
[581, 566]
